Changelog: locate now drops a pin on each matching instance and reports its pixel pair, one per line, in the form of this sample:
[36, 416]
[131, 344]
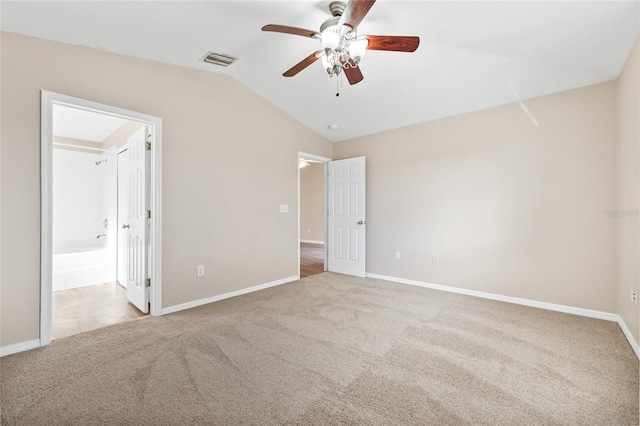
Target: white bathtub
[75, 267]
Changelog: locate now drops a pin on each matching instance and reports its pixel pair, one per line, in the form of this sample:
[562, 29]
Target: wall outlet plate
[396, 255]
[200, 271]
[634, 295]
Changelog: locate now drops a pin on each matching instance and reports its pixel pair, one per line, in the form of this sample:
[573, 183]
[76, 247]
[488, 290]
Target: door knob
[360, 222]
[125, 226]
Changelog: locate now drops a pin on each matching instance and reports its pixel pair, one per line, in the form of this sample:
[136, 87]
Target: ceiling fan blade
[355, 12]
[354, 75]
[289, 30]
[393, 43]
[302, 64]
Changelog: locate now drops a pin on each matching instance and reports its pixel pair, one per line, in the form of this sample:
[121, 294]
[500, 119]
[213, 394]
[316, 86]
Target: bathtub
[75, 267]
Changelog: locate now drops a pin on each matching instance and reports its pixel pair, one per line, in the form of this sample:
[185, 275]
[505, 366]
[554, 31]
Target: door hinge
[148, 214]
[148, 146]
[147, 282]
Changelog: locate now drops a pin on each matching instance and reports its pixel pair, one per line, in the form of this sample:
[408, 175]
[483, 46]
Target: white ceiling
[472, 55]
[84, 125]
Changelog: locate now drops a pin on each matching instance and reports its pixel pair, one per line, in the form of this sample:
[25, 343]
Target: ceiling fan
[342, 47]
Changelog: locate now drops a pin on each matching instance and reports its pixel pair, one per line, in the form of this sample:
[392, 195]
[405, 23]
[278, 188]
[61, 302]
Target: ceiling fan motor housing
[337, 8]
[331, 22]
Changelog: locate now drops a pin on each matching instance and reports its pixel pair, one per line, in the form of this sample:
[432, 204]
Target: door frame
[48, 100]
[325, 161]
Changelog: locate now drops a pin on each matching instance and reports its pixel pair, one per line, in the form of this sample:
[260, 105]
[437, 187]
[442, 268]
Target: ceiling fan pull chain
[338, 78]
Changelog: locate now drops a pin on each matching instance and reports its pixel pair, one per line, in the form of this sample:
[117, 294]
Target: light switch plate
[284, 208]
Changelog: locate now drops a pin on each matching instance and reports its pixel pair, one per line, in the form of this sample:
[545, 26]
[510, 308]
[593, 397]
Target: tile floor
[87, 308]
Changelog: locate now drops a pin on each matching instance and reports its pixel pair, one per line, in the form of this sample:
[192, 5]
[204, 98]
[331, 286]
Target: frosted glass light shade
[330, 38]
[326, 64]
[357, 49]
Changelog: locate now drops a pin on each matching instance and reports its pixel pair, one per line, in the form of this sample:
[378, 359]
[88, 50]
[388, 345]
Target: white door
[123, 213]
[347, 219]
[137, 224]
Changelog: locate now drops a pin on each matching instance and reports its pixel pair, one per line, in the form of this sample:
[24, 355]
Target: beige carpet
[331, 349]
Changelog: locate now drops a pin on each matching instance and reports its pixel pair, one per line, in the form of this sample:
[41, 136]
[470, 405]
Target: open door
[347, 218]
[122, 216]
[137, 221]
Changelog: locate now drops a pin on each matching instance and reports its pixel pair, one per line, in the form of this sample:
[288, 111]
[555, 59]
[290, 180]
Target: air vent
[218, 59]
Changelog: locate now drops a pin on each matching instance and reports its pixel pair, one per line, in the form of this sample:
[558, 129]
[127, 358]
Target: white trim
[46, 218]
[312, 242]
[19, 347]
[313, 157]
[607, 316]
[515, 300]
[629, 336]
[196, 303]
[155, 267]
[319, 159]
[48, 99]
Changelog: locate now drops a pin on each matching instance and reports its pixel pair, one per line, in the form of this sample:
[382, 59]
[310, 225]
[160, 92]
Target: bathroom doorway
[89, 190]
[99, 244]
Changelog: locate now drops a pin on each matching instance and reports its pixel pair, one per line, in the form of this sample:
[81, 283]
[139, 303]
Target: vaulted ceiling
[472, 55]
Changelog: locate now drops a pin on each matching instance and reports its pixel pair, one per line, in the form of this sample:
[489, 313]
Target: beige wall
[223, 180]
[628, 188]
[508, 207]
[312, 206]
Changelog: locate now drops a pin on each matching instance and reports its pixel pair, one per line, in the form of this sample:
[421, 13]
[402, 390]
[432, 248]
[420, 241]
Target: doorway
[86, 193]
[343, 207]
[86, 241]
[312, 209]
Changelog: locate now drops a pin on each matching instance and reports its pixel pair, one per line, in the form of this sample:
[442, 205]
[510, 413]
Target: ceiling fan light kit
[342, 48]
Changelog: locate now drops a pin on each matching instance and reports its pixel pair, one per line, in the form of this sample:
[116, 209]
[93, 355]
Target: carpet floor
[332, 349]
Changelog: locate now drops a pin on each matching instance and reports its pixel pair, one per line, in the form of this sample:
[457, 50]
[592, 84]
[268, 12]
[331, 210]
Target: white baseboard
[195, 303]
[33, 344]
[312, 241]
[19, 347]
[525, 302]
[516, 300]
[629, 336]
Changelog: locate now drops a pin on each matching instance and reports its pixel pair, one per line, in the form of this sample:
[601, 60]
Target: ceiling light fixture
[341, 47]
[333, 126]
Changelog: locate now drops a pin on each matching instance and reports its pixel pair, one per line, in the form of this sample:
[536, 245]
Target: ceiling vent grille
[218, 59]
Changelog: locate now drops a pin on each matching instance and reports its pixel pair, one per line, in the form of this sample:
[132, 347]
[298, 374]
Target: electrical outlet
[396, 255]
[634, 295]
[435, 260]
[200, 271]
